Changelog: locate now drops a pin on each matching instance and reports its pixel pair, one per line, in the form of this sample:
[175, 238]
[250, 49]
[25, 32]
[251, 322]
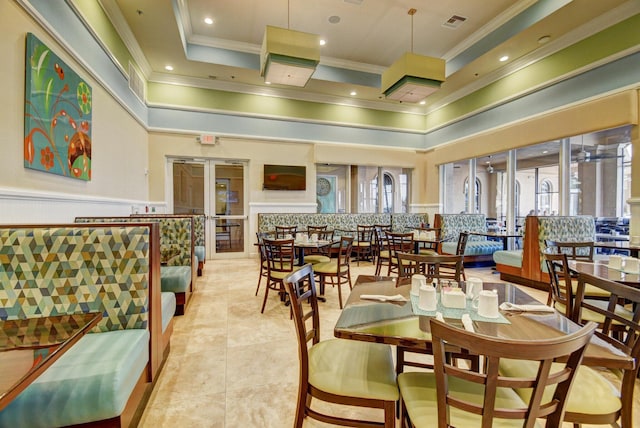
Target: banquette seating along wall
[341, 223]
[179, 269]
[526, 266]
[479, 248]
[199, 235]
[113, 269]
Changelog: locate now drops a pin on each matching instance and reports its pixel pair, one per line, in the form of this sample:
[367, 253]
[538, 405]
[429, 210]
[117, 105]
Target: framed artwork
[57, 115]
[326, 193]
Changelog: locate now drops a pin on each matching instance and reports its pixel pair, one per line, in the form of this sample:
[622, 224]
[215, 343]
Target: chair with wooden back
[560, 283]
[464, 398]
[281, 262]
[364, 243]
[398, 243]
[322, 254]
[341, 371]
[433, 267]
[338, 269]
[593, 399]
[264, 268]
[574, 250]
[282, 231]
[463, 237]
[382, 252]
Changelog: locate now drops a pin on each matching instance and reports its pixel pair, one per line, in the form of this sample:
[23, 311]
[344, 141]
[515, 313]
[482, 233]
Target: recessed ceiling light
[323, 42]
[544, 152]
[168, 67]
[423, 102]
[353, 93]
[504, 58]
[267, 83]
[208, 21]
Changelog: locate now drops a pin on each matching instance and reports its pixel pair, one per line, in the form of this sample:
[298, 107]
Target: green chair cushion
[418, 390]
[92, 381]
[175, 278]
[168, 303]
[329, 267]
[316, 258]
[591, 393]
[353, 368]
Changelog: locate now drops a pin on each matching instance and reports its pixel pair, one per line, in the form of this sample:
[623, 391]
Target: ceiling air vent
[358, 2]
[454, 22]
[136, 82]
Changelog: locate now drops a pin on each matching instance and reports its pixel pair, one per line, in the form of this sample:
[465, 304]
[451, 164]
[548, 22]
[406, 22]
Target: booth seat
[479, 248]
[343, 224]
[177, 249]
[526, 266]
[106, 377]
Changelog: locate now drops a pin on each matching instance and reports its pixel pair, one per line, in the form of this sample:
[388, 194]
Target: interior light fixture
[168, 67]
[504, 58]
[353, 93]
[323, 42]
[208, 21]
[289, 57]
[413, 77]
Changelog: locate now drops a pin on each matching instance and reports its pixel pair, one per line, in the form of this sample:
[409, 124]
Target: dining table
[601, 268]
[28, 347]
[399, 323]
[624, 245]
[301, 245]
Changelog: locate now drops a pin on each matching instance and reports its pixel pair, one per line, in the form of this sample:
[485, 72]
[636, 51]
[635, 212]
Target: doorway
[217, 189]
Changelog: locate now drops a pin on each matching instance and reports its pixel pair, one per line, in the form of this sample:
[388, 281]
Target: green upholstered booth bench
[106, 377]
[479, 248]
[199, 235]
[526, 266]
[177, 248]
[341, 223]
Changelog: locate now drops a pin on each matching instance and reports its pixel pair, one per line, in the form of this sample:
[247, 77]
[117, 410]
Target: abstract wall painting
[57, 112]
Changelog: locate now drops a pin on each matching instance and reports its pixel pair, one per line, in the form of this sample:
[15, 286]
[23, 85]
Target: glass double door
[217, 189]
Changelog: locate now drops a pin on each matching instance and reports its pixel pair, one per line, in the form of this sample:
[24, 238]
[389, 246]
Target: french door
[217, 189]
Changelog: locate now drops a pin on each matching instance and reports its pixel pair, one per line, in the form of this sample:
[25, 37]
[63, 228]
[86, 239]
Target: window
[544, 197]
[477, 195]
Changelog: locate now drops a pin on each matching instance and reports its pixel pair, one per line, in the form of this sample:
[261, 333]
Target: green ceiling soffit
[101, 25]
[248, 104]
[617, 38]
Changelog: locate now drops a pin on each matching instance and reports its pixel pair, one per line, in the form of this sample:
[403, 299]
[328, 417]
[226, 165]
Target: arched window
[388, 192]
[545, 191]
[478, 190]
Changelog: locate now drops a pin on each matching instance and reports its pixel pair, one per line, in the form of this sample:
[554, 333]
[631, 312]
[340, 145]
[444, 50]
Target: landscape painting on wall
[57, 115]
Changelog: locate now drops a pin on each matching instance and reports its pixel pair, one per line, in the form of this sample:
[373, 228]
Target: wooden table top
[29, 346]
[396, 324]
[601, 268]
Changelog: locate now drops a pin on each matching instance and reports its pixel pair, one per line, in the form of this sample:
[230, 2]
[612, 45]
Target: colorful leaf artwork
[57, 115]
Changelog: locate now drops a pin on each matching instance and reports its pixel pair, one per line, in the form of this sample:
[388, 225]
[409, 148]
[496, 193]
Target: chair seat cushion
[316, 258]
[353, 368]
[589, 290]
[168, 302]
[175, 278]
[92, 381]
[329, 267]
[200, 252]
[591, 393]
[418, 390]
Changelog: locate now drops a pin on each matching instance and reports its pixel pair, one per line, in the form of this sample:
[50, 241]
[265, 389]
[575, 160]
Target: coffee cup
[635, 240]
[631, 265]
[314, 237]
[474, 286]
[615, 261]
[488, 304]
[416, 282]
[428, 301]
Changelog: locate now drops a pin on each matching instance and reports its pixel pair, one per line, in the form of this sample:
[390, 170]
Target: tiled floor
[230, 365]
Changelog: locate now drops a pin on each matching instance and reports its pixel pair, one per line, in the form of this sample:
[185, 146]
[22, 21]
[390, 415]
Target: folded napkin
[467, 323]
[384, 298]
[507, 306]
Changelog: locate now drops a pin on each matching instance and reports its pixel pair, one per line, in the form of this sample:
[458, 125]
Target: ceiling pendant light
[413, 77]
[288, 57]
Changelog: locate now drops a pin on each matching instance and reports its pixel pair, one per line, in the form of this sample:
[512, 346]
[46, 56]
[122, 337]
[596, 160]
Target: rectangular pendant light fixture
[288, 57]
[413, 77]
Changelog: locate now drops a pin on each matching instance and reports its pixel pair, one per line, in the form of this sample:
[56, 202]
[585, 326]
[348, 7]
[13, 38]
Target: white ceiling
[369, 36]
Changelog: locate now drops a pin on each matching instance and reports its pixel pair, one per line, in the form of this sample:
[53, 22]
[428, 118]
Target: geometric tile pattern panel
[579, 228]
[60, 270]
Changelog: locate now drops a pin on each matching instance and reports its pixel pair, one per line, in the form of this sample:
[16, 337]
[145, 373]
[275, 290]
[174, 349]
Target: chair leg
[264, 301]
[389, 414]
[340, 292]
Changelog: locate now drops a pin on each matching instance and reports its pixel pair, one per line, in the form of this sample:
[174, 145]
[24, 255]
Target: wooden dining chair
[364, 243]
[282, 231]
[433, 267]
[461, 247]
[281, 262]
[338, 270]
[382, 252]
[594, 399]
[462, 398]
[341, 371]
[321, 254]
[264, 268]
[574, 250]
[429, 247]
[398, 243]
